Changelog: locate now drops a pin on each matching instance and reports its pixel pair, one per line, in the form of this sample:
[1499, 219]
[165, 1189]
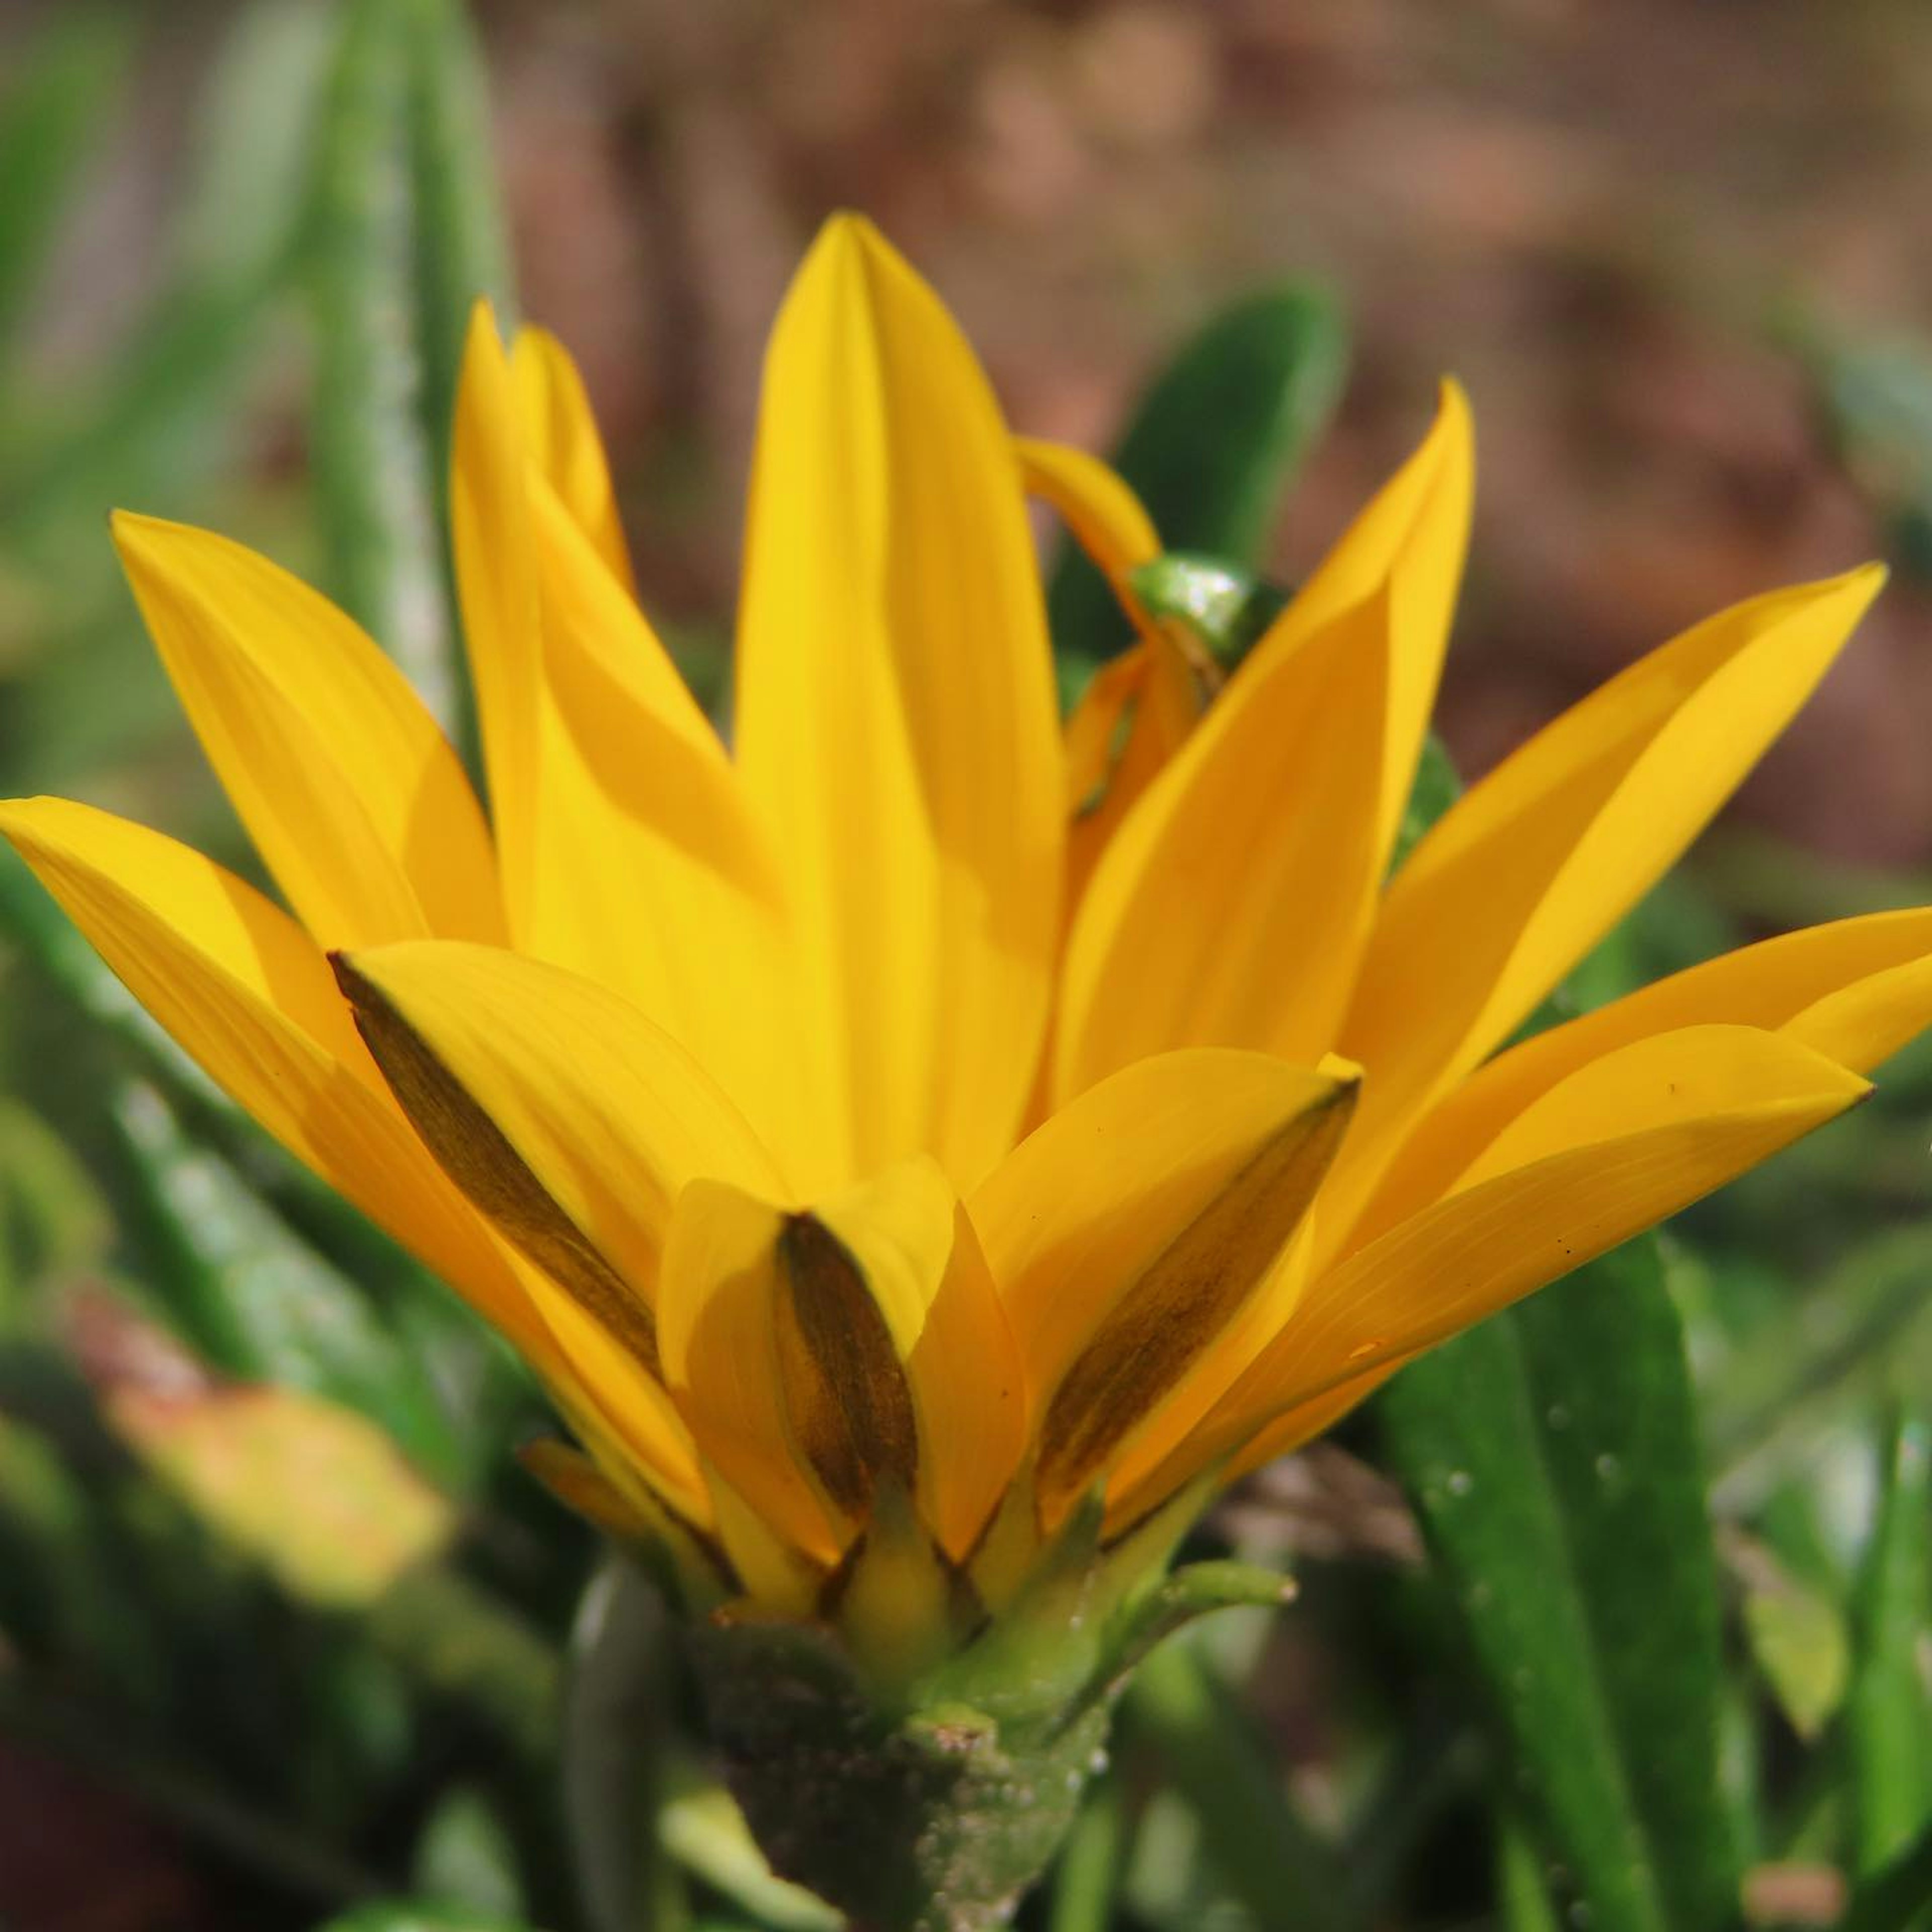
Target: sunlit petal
[1534, 865]
[565, 445]
[896, 718]
[352, 794]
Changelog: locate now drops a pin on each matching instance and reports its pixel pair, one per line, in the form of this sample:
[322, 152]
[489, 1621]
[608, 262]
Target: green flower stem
[1088, 1875]
[1284, 1875]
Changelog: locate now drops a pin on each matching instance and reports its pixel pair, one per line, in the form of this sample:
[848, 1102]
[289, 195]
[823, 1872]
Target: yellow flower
[706, 1073]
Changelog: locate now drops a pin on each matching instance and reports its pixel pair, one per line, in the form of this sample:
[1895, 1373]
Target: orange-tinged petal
[1855, 991]
[1130, 1232]
[565, 445]
[352, 794]
[1535, 864]
[896, 717]
[720, 1339]
[1224, 910]
[1138, 708]
[1626, 1142]
[249, 996]
[1130, 721]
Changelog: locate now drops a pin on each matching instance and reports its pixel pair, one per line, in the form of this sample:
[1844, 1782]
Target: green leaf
[463, 1856]
[374, 466]
[1213, 446]
[253, 133]
[1895, 1899]
[410, 235]
[58, 102]
[1888, 1714]
[464, 251]
[1798, 1640]
[1552, 1456]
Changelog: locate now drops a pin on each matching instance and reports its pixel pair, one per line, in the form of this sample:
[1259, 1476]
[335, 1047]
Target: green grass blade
[1888, 1712]
[375, 472]
[54, 109]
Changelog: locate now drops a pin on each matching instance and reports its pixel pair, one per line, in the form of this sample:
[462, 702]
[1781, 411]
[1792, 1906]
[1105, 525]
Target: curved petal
[1223, 910]
[1624, 1143]
[1417, 526]
[1531, 866]
[1107, 520]
[822, 1356]
[1130, 1233]
[642, 864]
[352, 794]
[565, 445]
[568, 1118]
[896, 717]
[1855, 991]
[249, 996]
[1134, 715]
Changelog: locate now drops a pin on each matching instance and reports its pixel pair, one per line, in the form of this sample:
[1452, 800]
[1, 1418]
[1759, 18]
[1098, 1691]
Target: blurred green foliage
[1671, 1632]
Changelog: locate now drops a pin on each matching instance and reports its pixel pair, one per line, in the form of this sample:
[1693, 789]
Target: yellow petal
[1129, 721]
[1534, 865]
[353, 796]
[896, 717]
[1098, 506]
[1855, 991]
[1138, 708]
[1225, 911]
[644, 867]
[819, 1356]
[249, 996]
[496, 583]
[565, 1114]
[1417, 526]
[657, 879]
[1624, 1143]
[565, 445]
[1127, 1233]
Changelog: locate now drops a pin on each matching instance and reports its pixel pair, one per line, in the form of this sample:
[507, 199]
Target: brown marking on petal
[477, 1155]
[844, 1386]
[1164, 1322]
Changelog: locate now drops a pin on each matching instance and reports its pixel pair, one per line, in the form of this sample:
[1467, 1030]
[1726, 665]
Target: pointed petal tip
[139, 537]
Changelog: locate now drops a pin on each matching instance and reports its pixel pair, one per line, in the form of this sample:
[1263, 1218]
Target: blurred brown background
[1607, 220]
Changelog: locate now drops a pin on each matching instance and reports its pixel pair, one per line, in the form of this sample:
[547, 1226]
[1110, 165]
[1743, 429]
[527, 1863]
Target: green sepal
[1219, 610]
[929, 1804]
